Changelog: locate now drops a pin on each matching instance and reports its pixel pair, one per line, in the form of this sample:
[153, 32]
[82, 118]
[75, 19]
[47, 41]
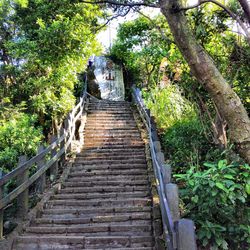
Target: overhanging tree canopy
[202, 66]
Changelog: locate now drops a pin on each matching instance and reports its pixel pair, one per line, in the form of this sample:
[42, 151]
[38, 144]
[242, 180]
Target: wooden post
[166, 172]
[185, 235]
[172, 195]
[41, 182]
[62, 145]
[160, 158]
[68, 130]
[54, 167]
[154, 129]
[23, 198]
[157, 146]
[1, 210]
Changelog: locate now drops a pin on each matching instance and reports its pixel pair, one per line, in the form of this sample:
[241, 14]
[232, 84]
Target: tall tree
[206, 72]
[44, 45]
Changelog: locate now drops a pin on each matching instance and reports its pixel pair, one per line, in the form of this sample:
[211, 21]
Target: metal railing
[179, 233]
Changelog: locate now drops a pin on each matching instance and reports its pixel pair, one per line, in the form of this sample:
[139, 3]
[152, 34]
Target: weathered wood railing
[46, 159]
[179, 233]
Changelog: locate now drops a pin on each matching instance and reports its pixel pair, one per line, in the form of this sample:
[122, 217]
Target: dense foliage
[19, 135]
[44, 46]
[218, 204]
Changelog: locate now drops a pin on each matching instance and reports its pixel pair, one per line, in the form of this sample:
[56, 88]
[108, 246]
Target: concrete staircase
[105, 203]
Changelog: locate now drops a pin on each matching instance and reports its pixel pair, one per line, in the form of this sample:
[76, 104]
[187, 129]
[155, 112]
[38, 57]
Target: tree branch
[111, 19]
[226, 9]
[156, 26]
[125, 3]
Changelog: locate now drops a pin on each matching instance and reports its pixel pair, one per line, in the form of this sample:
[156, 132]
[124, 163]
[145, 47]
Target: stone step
[90, 196]
[70, 183]
[132, 140]
[79, 167]
[108, 106]
[103, 128]
[108, 102]
[94, 220]
[121, 129]
[114, 150]
[117, 121]
[119, 242]
[110, 116]
[111, 156]
[80, 242]
[109, 110]
[113, 145]
[110, 178]
[100, 202]
[110, 134]
[49, 242]
[121, 172]
[104, 189]
[84, 161]
[104, 113]
[110, 124]
[93, 211]
[125, 229]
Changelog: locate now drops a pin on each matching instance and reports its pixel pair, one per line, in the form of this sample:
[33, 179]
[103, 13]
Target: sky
[107, 36]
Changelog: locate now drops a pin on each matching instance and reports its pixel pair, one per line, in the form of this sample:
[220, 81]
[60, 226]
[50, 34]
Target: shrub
[216, 199]
[169, 106]
[18, 136]
[185, 144]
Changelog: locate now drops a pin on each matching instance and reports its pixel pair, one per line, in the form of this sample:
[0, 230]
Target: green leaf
[207, 164]
[222, 163]
[195, 199]
[247, 188]
[221, 186]
[228, 176]
[224, 245]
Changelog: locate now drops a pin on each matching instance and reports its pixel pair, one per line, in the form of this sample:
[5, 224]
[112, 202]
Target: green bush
[168, 106]
[18, 136]
[216, 199]
[185, 144]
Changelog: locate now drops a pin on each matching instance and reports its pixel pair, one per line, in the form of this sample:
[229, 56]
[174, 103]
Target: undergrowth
[214, 185]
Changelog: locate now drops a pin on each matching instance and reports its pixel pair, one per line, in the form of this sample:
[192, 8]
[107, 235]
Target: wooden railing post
[166, 172]
[160, 158]
[54, 167]
[62, 145]
[185, 235]
[41, 182]
[1, 210]
[68, 129]
[23, 198]
[172, 195]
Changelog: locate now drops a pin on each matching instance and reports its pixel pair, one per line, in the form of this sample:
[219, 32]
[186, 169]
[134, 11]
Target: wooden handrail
[56, 150]
[30, 162]
[172, 225]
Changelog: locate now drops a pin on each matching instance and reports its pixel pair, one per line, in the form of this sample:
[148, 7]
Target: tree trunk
[246, 8]
[204, 69]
